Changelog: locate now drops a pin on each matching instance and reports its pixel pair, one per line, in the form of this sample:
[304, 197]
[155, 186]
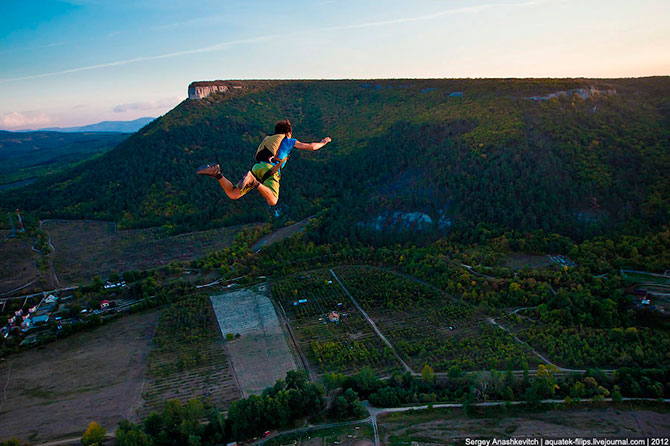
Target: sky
[78, 62]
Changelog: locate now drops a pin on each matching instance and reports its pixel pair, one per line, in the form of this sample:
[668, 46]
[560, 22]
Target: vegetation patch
[188, 358]
[427, 326]
[346, 344]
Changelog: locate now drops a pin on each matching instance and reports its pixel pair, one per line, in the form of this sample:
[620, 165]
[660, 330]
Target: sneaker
[248, 182]
[211, 170]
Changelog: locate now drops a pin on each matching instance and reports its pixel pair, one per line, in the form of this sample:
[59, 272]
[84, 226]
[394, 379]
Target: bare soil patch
[519, 260]
[58, 389]
[437, 427]
[18, 265]
[87, 248]
[280, 234]
[261, 355]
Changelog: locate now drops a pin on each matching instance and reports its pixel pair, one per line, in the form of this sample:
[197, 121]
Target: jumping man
[271, 157]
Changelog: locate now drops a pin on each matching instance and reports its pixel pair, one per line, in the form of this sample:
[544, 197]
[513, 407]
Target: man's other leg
[268, 194]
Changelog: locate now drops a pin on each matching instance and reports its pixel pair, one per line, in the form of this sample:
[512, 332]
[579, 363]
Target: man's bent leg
[230, 190]
[268, 194]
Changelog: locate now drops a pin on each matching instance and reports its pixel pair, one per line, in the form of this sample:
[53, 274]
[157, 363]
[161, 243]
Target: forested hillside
[462, 152]
[29, 154]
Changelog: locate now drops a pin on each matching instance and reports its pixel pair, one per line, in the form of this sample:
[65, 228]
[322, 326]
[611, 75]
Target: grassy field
[18, 265]
[87, 248]
[360, 434]
[646, 278]
[519, 260]
[188, 358]
[260, 355]
[56, 390]
[345, 347]
[440, 426]
[426, 326]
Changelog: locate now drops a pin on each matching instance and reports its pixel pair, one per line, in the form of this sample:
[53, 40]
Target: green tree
[427, 374]
[94, 435]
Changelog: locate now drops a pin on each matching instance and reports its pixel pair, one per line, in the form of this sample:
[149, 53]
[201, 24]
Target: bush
[94, 435]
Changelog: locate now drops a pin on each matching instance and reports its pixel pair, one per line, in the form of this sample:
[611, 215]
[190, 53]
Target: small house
[41, 319]
[333, 316]
[104, 304]
[51, 299]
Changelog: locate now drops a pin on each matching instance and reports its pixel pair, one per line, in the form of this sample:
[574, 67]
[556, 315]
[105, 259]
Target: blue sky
[77, 62]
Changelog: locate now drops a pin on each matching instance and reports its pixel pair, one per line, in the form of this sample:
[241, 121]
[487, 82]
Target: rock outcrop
[200, 90]
[583, 93]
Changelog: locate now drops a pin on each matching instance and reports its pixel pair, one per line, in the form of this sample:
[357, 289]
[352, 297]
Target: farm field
[86, 248]
[356, 434]
[438, 427]
[18, 265]
[280, 234]
[580, 347]
[188, 358]
[518, 260]
[639, 277]
[260, 355]
[56, 390]
[346, 346]
[426, 326]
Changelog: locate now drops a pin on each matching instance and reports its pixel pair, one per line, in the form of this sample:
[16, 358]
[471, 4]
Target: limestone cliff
[583, 93]
[200, 90]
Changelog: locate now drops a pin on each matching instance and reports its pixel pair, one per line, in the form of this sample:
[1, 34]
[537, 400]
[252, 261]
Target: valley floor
[440, 426]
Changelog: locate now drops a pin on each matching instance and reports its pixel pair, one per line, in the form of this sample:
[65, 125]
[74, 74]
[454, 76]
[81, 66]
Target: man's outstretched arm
[312, 145]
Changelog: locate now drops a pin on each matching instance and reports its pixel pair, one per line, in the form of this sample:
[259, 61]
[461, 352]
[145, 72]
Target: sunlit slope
[488, 153]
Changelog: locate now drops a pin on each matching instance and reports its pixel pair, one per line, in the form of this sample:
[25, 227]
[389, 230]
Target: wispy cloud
[31, 48]
[198, 21]
[228, 44]
[217, 47]
[147, 105]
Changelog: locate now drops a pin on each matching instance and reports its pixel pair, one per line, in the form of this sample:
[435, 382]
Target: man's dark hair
[283, 126]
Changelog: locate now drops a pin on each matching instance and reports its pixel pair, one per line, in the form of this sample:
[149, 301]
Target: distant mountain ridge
[105, 126]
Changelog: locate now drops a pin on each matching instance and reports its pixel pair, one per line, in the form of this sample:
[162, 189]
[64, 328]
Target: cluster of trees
[545, 383]
[337, 355]
[281, 405]
[587, 346]
[482, 347]
[181, 330]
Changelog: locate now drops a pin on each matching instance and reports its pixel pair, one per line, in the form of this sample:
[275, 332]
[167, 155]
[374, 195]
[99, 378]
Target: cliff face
[200, 90]
[583, 93]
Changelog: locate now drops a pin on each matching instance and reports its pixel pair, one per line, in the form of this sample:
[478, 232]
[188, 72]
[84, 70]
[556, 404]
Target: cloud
[225, 45]
[16, 120]
[31, 48]
[147, 105]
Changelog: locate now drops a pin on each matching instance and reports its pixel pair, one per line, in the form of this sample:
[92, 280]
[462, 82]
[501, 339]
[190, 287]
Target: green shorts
[260, 169]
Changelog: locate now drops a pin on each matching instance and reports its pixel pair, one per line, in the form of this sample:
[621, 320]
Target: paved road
[41, 293]
[372, 323]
